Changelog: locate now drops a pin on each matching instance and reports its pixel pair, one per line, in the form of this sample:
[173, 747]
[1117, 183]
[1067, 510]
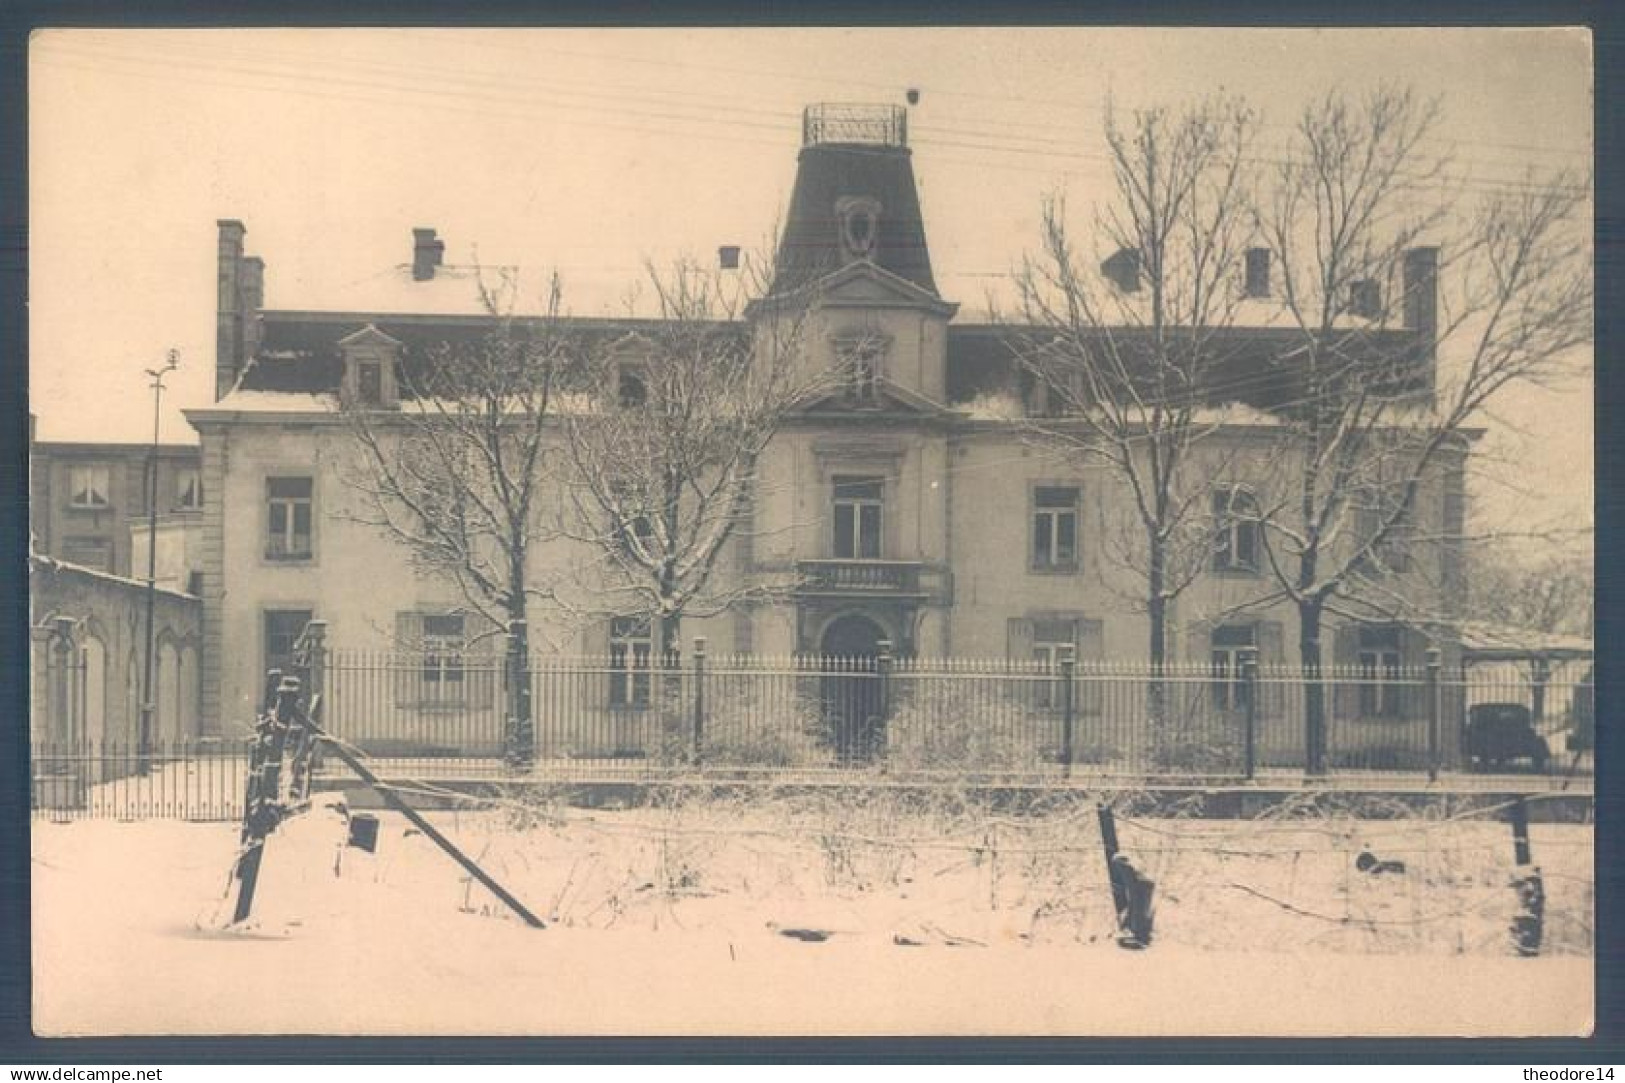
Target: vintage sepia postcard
[976, 531]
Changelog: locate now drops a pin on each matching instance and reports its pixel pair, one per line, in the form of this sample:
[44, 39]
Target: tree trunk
[1157, 647]
[1314, 690]
[668, 665]
[519, 738]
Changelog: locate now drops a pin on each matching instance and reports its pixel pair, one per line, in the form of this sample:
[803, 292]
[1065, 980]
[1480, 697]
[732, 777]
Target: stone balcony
[899, 579]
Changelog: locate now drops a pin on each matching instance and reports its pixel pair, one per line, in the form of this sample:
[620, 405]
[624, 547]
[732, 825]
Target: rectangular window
[1258, 272]
[89, 486]
[283, 627]
[632, 389]
[630, 651]
[1393, 552]
[1055, 528]
[857, 518]
[633, 527]
[369, 379]
[443, 647]
[1231, 643]
[1379, 672]
[862, 358]
[188, 489]
[1235, 546]
[288, 517]
[89, 553]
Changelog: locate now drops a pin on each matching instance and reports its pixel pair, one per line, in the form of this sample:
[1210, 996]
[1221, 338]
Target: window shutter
[481, 669]
[1271, 652]
[1413, 660]
[1019, 637]
[1345, 701]
[1090, 637]
[408, 674]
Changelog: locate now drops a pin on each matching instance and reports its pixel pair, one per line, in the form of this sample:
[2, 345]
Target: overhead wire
[731, 117]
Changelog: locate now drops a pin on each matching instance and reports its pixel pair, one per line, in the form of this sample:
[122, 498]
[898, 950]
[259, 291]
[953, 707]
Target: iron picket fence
[192, 779]
[429, 714]
[752, 713]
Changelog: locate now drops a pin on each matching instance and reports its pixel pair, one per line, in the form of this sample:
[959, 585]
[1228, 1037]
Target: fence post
[883, 663]
[699, 699]
[1249, 684]
[519, 742]
[1433, 693]
[315, 658]
[1069, 672]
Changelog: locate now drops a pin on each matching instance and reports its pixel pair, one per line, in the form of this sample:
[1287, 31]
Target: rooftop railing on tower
[869, 125]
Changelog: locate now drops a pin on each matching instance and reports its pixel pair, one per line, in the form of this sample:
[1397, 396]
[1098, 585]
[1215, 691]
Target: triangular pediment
[369, 336]
[888, 399]
[869, 284]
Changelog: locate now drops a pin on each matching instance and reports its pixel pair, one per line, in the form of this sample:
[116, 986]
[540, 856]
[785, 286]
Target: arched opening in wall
[95, 702]
[63, 684]
[166, 713]
[189, 694]
[850, 687]
[130, 731]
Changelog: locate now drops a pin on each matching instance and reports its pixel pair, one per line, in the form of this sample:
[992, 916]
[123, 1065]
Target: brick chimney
[252, 286]
[1421, 281]
[427, 252]
[229, 343]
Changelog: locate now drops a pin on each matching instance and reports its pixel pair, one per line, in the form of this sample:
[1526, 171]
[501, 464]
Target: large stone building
[911, 509]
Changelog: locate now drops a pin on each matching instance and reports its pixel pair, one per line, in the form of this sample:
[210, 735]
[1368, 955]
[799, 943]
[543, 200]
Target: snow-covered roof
[1488, 641]
[41, 562]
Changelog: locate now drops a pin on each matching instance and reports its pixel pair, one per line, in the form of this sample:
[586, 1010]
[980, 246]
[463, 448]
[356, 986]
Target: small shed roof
[1483, 641]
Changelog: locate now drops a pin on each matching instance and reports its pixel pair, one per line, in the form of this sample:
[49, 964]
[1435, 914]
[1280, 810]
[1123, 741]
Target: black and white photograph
[693, 532]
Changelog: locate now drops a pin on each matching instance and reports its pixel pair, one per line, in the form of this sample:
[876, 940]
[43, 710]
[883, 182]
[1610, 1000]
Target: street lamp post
[144, 737]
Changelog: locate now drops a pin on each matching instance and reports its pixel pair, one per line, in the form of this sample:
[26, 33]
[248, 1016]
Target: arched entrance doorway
[850, 688]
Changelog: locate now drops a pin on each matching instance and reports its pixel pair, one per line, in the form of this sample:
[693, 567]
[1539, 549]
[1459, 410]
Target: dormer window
[369, 368]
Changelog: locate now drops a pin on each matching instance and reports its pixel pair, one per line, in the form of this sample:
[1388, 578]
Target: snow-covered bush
[753, 731]
[939, 727]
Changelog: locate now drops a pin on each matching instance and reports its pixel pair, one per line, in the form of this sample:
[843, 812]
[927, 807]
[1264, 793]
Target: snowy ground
[807, 916]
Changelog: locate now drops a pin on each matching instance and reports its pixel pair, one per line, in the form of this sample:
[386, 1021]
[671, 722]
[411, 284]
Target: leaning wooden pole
[262, 810]
[394, 801]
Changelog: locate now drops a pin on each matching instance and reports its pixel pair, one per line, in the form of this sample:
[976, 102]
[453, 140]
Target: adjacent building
[88, 506]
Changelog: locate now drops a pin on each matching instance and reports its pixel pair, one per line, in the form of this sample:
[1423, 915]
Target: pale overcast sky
[591, 150]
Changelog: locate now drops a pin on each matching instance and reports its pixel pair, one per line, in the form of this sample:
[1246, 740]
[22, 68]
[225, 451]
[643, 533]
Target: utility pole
[144, 736]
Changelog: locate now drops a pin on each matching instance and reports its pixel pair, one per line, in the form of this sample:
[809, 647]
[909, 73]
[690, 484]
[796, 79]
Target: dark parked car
[1583, 715]
[1502, 733]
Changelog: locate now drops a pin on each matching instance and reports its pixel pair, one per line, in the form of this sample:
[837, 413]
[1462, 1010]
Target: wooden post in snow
[1528, 924]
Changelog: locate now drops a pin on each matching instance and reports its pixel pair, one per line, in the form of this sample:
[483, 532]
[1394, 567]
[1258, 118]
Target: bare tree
[454, 472]
[1555, 594]
[1382, 408]
[1122, 369]
[663, 473]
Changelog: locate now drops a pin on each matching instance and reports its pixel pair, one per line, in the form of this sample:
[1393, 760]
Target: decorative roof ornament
[858, 220]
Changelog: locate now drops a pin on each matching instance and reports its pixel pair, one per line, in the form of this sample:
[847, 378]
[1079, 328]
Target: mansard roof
[1256, 366]
[302, 352]
[827, 172]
